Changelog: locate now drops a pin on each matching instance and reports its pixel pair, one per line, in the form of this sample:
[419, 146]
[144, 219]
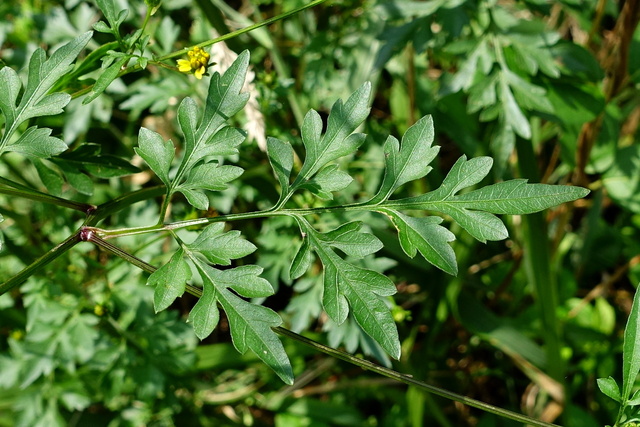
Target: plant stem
[12, 188]
[538, 260]
[409, 380]
[365, 364]
[45, 259]
[121, 202]
[242, 31]
[120, 232]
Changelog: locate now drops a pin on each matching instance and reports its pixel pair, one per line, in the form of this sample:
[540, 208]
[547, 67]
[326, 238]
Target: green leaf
[37, 142]
[115, 19]
[88, 157]
[156, 152]
[196, 198]
[512, 113]
[281, 158]
[474, 210]
[51, 178]
[169, 281]
[105, 79]
[609, 387]
[631, 350]
[327, 180]
[36, 100]
[409, 161]
[517, 197]
[528, 95]
[211, 176]
[426, 236]
[351, 240]
[302, 261]
[347, 285]
[219, 247]
[205, 314]
[211, 137]
[251, 325]
[208, 176]
[338, 140]
[10, 86]
[245, 281]
[223, 101]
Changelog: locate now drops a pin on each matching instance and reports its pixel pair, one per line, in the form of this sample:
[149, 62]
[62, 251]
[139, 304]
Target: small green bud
[154, 5]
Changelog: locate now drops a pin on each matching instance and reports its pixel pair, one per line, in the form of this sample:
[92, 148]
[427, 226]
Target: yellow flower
[197, 63]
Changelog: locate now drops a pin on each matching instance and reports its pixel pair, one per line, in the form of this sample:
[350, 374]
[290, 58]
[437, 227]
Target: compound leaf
[169, 281]
[43, 74]
[223, 101]
[36, 101]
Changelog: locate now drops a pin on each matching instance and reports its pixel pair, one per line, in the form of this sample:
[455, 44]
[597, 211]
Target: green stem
[537, 258]
[120, 232]
[45, 259]
[409, 380]
[365, 364]
[12, 188]
[243, 30]
[121, 202]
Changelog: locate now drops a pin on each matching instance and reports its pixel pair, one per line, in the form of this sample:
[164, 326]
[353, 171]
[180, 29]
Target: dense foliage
[400, 179]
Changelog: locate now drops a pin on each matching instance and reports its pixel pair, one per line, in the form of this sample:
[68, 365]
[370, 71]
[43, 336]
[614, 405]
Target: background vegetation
[550, 90]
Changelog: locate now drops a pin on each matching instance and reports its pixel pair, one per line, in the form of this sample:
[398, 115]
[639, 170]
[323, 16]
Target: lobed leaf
[347, 285]
[223, 101]
[211, 176]
[36, 101]
[474, 210]
[43, 74]
[517, 197]
[338, 139]
[245, 281]
[426, 236]
[219, 247]
[328, 180]
[409, 161]
[37, 142]
[205, 314]
[351, 240]
[251, 325]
